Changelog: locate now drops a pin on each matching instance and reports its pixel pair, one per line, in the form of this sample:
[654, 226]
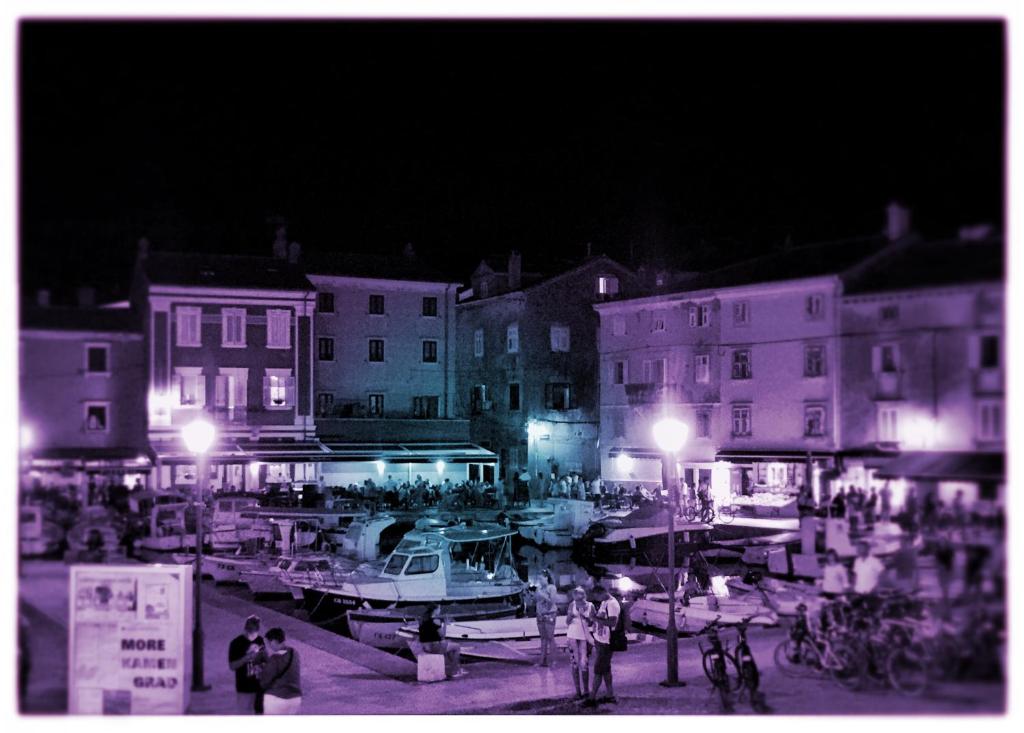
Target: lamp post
[670, 434]
[198, 436]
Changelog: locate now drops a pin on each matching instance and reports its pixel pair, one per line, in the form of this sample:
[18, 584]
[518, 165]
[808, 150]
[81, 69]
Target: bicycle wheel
[726, 514]
[845, 665]
[722, 667]
[798, 658]
[689, 513]
[907, 671]
[750, 675]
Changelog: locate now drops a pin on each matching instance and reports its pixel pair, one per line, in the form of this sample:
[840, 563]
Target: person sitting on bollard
[432, 632]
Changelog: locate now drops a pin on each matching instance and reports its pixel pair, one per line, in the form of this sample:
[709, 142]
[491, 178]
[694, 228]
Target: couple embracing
[589, 633]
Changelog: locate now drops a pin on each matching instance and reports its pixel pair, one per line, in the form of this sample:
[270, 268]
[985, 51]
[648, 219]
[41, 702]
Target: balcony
[988, 381]
[651, 394]
[887, 386]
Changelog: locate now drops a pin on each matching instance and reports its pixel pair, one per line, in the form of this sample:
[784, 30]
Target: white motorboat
[652, 611]
[782, 596]
[167, 532]
[512, 639]
[468, 568]
[284, 574]
[231, 522]
[361, 540]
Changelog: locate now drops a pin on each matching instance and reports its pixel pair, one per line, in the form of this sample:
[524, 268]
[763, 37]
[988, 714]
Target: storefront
[78, 467]
[979, 477]
[769, 481]
[354, 463]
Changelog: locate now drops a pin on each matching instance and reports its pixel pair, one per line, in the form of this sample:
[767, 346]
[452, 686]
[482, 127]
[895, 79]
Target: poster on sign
[130, 649]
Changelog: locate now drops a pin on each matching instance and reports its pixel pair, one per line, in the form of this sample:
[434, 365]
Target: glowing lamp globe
[198, 436]
[624, 462]
[670, 434]
[440, 466]
[380, 467]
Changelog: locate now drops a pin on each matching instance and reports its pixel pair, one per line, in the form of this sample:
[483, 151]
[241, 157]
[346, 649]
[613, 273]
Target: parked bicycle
[707, 514]
[719, 666]
[749, 673]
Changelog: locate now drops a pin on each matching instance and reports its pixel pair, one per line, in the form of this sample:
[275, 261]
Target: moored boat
[652, 611]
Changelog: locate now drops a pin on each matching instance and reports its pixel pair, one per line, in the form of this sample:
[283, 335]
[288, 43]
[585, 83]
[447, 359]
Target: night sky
[698, 143]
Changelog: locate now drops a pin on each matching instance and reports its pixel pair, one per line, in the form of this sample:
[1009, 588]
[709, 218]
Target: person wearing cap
[244, 655]
[578, 620]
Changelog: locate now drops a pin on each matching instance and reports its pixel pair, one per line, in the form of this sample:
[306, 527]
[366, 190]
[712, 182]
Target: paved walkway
[341, 676]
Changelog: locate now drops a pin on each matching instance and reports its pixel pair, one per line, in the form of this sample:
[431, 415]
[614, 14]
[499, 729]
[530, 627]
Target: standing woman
[578, 619]
[282, 692]
[547, 612]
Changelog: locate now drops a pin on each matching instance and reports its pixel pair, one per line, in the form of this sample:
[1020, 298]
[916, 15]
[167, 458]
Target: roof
[814, 260]
[380, 266]
[224, 271]
[106, 320]
[924, 264]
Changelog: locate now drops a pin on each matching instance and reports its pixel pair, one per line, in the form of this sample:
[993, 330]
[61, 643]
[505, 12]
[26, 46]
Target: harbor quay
[343, 676]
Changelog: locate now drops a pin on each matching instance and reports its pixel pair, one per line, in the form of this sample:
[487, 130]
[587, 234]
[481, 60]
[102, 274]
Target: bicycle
[749, 673]
[715, 661]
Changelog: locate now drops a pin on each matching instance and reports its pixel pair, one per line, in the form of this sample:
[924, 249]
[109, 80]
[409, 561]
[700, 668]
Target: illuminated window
[191, 386]
[278, 389]
[607, 285]
[478, 343]
[96, 417]
[888, 424]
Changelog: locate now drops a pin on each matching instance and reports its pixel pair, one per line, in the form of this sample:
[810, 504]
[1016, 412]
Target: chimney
[294, 253]
[515, 271]
[43, 298]
[589, 255]
[409, 252]
[898, 222]
[86, 297]
[143, 248]
[281, 242]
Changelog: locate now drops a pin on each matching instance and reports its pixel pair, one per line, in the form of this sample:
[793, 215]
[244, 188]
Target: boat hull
[653, 613]
[380, 628]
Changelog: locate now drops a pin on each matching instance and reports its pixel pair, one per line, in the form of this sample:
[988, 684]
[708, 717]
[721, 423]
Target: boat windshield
[395, 564]
[283, 564]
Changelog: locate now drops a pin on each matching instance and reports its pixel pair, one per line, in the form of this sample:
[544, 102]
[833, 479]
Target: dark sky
[699, 141]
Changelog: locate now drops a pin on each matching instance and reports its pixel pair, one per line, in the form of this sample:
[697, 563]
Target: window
[425, 406]
[324, 404]
[189, 326]
[888, 425]
[377, 305]
[559, 396]
[325, 348]
[989, 352]
[278, 389]
[191, 386]
[375, 405]
[395, 564]
[97, 359]
[96, 417]
[814, 421]
[376, 350]
[478, 399]
[654, 371]
[607, 285]
[889, 313]
[325, 302]
[279, 329]
[741, 364]
[658, 322]
[232, 327]
[700, 315]
[703, 424]
[740, 313]
[619, 372]
[512, 339]
[702, 368]
[429, 306]
[513, 397]
[885, 358]
[559, 338]
[814, 307]
[429, 352]
[422, 565]
[990, 420]
[231, 391]
[478, 343]
[814, 361]
[485, 288]
[619, 326]
[741, 421]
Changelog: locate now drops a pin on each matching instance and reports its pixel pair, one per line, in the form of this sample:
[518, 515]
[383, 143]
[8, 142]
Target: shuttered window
[279, 332]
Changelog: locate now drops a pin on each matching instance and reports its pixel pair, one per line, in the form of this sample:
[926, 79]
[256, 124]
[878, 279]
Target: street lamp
[440, 467]
[198, 436]
[670, 435]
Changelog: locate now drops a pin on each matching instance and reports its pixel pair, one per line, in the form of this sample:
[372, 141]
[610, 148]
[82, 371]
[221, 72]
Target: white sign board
[130, 639]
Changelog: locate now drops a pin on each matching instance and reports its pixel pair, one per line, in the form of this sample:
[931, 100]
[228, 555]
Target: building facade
[384, 373]
[82, 389]
[528, 363]
[231, 339]
[924, 371]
